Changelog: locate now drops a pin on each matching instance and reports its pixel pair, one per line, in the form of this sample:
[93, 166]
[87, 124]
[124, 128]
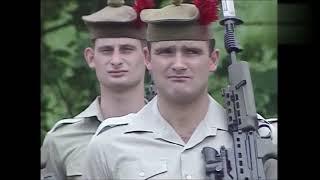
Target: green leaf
[61, 53]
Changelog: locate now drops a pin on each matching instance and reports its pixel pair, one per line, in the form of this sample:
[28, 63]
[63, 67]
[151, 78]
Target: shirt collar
[214, 120]
[146, 119]
[92, 110]
[149, 119]
[216, 116]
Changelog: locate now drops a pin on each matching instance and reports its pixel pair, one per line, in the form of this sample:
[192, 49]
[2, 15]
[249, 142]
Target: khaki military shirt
[144, 146]
[64, 145]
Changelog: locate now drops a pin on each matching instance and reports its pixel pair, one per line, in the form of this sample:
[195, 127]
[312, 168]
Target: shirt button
[141, 174]
[188, 177]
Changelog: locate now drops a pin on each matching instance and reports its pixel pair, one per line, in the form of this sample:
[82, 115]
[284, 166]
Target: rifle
[245, 159]
[151, 90]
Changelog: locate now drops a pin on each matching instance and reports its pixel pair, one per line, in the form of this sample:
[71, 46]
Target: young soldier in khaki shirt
[118, 60]
[164, 140]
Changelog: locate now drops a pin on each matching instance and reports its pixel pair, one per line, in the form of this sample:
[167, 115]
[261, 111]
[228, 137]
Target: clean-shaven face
[119, 62]
[181, 68]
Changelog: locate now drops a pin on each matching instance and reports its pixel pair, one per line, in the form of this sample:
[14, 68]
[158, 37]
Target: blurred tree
[68, 85]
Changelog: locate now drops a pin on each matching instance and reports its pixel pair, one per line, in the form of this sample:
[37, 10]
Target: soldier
[118, 37]
[165, 138]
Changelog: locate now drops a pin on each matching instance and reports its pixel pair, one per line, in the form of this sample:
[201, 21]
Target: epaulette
[64, 122]
[272, 120]
[114, 122]
[274, 129]
[266, 130]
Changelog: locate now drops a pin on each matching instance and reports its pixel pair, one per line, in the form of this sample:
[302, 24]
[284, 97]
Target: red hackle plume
[140, 5]
[208, 10]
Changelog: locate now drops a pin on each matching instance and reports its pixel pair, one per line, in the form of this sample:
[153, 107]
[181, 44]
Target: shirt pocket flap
[142, 169]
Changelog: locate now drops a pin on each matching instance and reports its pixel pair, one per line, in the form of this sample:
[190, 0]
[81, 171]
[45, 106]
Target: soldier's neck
[116, 103]
[184, 118]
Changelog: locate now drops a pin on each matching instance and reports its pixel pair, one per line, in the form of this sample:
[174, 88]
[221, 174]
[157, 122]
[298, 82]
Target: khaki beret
[115, 20]
[177, 21]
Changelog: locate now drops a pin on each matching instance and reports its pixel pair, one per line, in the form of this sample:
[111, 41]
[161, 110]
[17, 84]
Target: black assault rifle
[243, 161]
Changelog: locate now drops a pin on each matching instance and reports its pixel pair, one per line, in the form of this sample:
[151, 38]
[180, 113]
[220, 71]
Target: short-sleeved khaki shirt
[144, 146]
[64, 145]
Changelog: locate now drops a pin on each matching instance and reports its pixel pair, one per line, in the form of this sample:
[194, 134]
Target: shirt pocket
[74, 162]
[142, 170]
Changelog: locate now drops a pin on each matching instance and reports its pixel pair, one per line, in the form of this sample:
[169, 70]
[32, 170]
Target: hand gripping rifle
[245, 159]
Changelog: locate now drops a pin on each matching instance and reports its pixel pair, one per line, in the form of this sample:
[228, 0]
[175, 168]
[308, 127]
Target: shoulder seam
[103, 129]
[112, 122]
[64, 122]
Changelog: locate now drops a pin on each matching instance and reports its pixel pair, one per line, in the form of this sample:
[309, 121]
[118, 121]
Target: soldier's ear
[89, 56]
[147, 58]
[214, 60]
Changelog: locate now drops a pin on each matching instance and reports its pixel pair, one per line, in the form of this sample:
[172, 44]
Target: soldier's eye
[127, 49]
[165, 51]
[106, 50]
[192, 51]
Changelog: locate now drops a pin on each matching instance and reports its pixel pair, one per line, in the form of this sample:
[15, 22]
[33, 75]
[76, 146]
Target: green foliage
[68, 85]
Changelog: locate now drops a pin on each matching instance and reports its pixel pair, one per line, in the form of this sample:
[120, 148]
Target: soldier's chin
[183, 97]
[122, 85]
